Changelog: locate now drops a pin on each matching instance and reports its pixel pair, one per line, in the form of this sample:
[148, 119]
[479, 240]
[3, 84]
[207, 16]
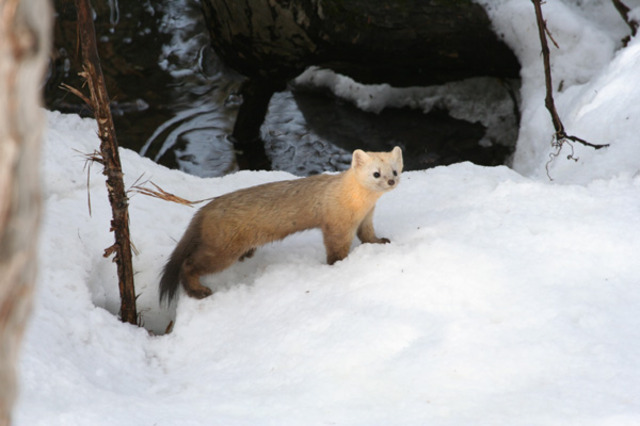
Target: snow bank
[500, 300]
[503, 299]
[595, 81]
[593, 85]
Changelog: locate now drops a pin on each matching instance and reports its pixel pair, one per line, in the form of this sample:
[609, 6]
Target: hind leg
[249, 253]
[199, 264]
[190, 275]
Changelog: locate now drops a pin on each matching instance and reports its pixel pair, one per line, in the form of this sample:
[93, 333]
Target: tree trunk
[25, 28]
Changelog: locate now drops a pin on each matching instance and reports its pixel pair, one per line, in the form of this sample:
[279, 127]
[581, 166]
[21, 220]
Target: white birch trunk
[25, 28]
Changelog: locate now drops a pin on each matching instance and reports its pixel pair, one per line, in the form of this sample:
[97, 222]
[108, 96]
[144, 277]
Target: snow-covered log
[402, 43]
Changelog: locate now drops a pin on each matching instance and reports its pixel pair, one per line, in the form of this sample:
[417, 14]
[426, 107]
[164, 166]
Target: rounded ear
[397, 155]
[359, 158]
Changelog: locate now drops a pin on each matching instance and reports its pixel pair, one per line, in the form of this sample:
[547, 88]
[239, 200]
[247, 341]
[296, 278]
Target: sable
[230, 227]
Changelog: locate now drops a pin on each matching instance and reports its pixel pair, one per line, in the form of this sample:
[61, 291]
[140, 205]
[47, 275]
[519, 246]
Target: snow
[480, 99]
[584, 64]
[504, 298]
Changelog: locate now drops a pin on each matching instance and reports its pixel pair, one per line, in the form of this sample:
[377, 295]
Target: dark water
[174, 101]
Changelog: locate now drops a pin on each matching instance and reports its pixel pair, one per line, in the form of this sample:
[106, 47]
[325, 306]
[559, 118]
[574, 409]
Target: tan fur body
[232, 226]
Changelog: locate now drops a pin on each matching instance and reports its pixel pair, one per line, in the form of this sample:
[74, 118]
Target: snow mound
[500, 298]
[503, 298]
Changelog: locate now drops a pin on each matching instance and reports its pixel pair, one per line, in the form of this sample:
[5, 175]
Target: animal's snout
[391, 182]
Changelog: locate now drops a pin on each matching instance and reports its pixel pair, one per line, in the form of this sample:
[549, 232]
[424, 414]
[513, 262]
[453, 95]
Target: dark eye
[376, 175]
[395, 173]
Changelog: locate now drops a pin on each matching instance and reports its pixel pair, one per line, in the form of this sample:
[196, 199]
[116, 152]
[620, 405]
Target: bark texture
[400, 42]
[25, 27]
[111, 162]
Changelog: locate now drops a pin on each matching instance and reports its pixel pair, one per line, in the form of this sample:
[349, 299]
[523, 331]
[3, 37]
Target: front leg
[337, 242]
[366, 233]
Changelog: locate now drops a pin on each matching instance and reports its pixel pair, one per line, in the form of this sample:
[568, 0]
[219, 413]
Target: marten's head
[378, 171]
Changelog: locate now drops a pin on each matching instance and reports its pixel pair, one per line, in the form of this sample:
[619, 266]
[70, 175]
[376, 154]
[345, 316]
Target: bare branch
[560, 135]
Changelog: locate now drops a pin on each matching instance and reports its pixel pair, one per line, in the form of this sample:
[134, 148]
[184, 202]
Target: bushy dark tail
[170, 280]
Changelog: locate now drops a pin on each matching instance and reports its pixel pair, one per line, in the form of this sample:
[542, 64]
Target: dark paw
[334, 258]
[384, 241]
[247, 255]
[199, 293]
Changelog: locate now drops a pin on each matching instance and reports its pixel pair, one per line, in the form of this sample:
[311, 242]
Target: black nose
[391, 182]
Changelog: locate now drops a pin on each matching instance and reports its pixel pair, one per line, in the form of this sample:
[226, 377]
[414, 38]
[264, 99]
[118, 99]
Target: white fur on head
[377, 171]
[397, 156]
[359, 158]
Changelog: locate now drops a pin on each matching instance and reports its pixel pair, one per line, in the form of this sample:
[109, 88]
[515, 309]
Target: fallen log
[399, 42]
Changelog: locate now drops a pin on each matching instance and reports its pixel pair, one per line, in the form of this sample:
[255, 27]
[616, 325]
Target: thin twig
[88, 167]
[553, 40]
[89, 159]
[160, 193]
[136, 182]
[77, 93]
